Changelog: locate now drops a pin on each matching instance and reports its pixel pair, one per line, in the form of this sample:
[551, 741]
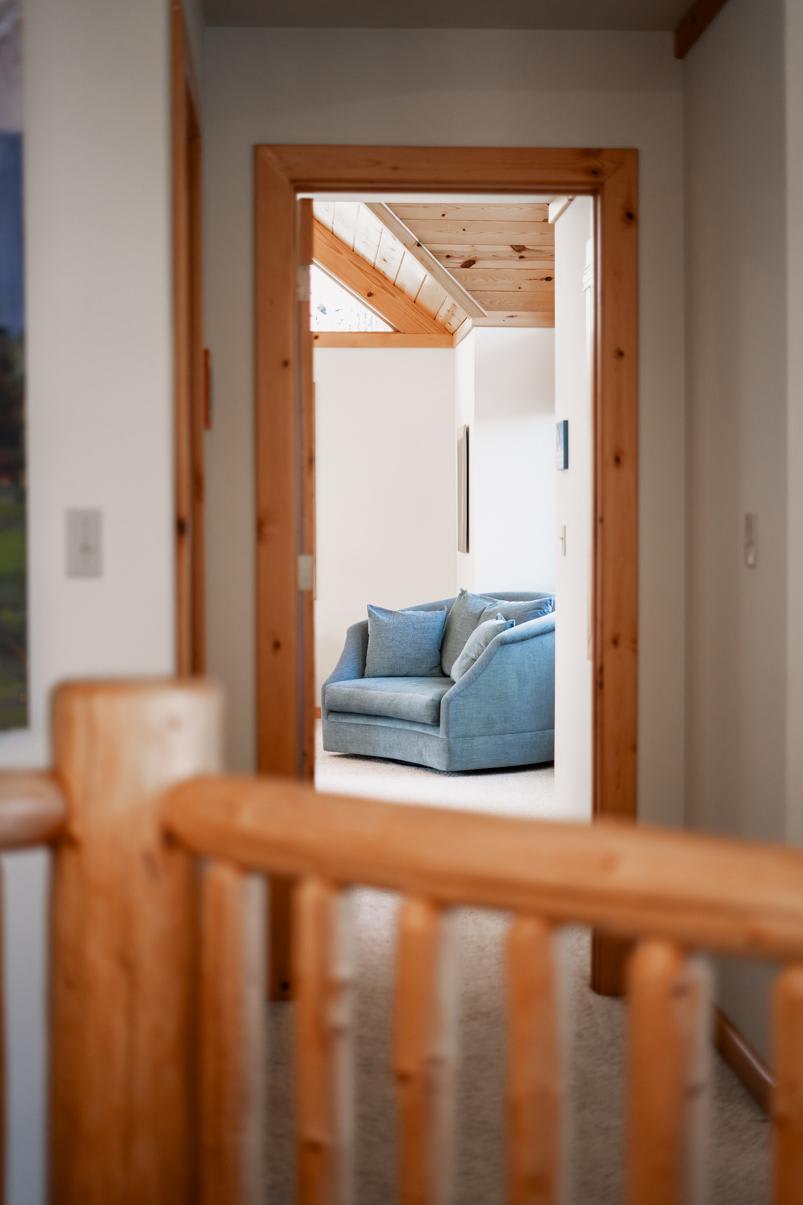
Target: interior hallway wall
[100, 432]
[386, 507]
[794, 455]
[479, 87]
[465, 381]
[737, 432]
[573, 401]
[512, 455]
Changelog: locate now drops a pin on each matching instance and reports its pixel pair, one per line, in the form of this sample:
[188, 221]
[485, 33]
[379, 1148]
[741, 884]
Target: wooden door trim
[282, 174]
[188, 369]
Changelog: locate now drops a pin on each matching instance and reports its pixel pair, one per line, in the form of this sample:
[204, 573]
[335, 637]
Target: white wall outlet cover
[84, 542]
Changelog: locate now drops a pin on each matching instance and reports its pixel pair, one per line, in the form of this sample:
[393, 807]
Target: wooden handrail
[698, 891]
[33, 808]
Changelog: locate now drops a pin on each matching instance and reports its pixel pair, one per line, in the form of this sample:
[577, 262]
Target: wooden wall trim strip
[743, 1061]
[615, 700]
[377, 339]
[694, 24]
[276, 451]
[188, 372]
[401, 169]
[182, 366]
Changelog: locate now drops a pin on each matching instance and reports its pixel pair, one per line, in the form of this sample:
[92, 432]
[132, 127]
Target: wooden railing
[158, 967]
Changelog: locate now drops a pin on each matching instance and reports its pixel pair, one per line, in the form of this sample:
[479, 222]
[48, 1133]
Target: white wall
[386, 486]
[99, 422]
[737, 431]
[794, 327]
[465, 379]
[479, 87]
[573, 391]
[512, 450]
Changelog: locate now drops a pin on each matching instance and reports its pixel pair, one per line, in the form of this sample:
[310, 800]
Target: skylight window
[334, 308]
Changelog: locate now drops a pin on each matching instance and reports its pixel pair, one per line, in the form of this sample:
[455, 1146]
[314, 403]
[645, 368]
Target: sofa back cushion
[404, 644]
[519, 612]
[477, 643]
[464, 615]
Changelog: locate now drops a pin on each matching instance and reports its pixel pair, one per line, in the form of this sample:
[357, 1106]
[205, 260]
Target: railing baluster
[661, 1005]
[424, 1054]
[324, 1068]
[232, 1036]
[698, 1027]
[788, 1094]
[533, 1075]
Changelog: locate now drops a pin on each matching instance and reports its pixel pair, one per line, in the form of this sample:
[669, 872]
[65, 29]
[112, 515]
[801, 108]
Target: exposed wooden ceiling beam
[374, 289]
[694, 24]
[376, 339]
[426, 259]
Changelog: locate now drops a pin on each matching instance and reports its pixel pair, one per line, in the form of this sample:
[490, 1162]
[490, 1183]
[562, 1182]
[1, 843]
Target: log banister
[33, 808]
[157, 1005]
[634, 881]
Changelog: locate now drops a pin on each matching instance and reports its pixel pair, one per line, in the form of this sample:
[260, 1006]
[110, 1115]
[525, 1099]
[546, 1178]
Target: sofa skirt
[425, 745]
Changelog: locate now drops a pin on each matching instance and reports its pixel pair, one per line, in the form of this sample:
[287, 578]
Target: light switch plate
[84, 542]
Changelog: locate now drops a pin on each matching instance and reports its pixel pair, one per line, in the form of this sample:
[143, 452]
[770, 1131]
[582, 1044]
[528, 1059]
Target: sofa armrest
[352, 660]
[510, 688]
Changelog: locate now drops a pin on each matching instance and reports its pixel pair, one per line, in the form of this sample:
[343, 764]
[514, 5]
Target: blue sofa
[500, 713]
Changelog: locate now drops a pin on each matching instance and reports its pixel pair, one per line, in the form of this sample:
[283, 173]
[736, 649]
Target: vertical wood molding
[188, 371]
[276, 446]
[615, 701]
[279, 635]
[198, 392]
[182, 365]
[306, 598]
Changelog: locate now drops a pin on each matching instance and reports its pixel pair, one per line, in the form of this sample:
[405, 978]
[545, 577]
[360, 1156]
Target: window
[334, 308]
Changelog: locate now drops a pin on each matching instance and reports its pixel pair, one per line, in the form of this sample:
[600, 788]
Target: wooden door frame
[283, 173]
[188, 352]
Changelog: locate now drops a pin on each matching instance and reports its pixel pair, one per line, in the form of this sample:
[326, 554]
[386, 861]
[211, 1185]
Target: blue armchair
[500, 713]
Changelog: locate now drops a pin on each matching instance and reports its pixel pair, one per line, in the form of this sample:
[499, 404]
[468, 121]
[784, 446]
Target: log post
[123, 943]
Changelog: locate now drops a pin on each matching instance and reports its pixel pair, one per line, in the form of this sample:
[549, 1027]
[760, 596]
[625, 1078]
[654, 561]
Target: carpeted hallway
[594, 1034]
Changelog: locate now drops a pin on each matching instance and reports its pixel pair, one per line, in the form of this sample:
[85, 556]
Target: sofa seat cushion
[417, 699]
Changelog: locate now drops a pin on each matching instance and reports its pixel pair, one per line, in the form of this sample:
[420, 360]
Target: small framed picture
[462, 491]
[562, 443]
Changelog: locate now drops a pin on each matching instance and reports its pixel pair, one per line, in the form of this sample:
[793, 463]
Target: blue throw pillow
[404, 644]
[464, 615]
[477, 643]
[522, 611]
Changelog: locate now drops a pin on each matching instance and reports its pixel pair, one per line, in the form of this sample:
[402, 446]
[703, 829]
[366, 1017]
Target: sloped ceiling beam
[694, 24]
[426, 259]
[374, 289]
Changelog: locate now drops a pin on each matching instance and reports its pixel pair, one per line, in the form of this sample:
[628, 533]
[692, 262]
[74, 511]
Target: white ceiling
[469, 14]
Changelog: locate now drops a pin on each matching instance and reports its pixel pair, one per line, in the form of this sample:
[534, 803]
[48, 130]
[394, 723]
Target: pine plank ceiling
[492, 264]
[470, 14]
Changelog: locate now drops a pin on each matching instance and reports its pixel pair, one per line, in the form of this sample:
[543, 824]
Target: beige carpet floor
[594, 1036]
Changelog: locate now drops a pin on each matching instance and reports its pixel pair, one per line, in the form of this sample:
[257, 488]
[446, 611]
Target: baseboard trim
[743, 1061]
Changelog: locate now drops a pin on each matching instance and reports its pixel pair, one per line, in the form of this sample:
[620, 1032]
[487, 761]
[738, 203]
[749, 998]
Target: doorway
[285, 177]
